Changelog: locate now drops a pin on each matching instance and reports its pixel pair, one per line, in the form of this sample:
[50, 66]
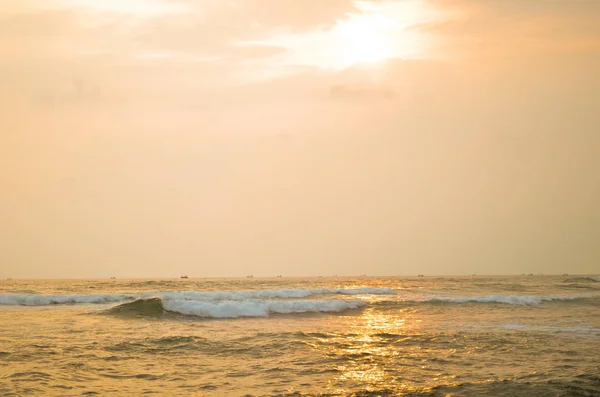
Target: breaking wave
[519, 300]
[263, 302]
[151, 307]
[272, 294]
[523, 300]
[42, 300]
[155, 307]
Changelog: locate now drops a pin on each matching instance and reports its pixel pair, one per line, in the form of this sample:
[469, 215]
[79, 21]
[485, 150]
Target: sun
[364, 38]
[372, 34]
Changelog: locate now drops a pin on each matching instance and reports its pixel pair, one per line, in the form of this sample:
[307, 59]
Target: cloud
[269, 14]
[118, 42]
[252, 51]
[214, 27]
[305, 15]
[516, 29]
[217, 44]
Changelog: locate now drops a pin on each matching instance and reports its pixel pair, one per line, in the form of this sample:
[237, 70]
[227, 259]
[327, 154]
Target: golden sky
[150, 138]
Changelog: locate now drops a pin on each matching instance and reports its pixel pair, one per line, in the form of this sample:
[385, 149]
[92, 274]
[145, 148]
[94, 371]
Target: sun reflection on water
[384, 352]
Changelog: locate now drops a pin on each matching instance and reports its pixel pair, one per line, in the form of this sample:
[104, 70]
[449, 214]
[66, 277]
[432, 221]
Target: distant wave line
[43, 300]
[522, 300]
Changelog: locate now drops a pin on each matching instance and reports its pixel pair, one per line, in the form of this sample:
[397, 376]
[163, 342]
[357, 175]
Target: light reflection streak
[384, 351]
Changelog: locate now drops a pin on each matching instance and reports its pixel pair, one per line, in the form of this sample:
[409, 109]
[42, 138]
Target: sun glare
[375, 32]
[365, 38]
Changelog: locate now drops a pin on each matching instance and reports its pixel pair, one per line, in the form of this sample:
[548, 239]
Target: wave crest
[156, 307]
[42, 300]
[257, 307]
[152, 307]
[508, 299]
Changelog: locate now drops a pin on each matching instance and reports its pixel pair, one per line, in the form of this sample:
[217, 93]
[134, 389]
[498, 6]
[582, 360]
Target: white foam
[257, 307]
[272, 294]
[42, 300]
[236, 295]
[506, 299]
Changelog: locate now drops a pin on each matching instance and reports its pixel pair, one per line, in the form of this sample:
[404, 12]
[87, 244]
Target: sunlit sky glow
[153, 138]
[370, 34]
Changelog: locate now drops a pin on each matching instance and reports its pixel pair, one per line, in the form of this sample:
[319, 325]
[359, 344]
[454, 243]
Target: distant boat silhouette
[113, 278]
[420, 275]
[184, 276]
[280, 276]
[250, 276]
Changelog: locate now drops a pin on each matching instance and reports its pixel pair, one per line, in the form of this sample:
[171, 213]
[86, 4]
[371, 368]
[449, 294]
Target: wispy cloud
[516, 29]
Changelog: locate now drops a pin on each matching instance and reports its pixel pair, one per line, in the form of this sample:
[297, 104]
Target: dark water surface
[427, 336]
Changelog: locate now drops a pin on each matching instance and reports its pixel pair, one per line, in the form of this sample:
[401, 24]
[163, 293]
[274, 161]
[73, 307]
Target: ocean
[362, 336]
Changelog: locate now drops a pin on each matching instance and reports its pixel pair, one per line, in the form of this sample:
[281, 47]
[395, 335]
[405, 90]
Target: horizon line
[421, 275]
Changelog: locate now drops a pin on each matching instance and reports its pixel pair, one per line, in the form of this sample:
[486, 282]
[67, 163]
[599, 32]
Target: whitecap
[42, 300]
[257, 307]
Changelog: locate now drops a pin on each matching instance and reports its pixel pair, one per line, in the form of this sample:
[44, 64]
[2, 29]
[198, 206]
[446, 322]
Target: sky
[154, 138]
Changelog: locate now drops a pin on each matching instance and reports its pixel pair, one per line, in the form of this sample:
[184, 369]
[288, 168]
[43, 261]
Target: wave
[273, 294]
[520, 300]
[230, 301]
[523, 300]
[155, 307]
[151, 307]
[42, 300]
[586, 279]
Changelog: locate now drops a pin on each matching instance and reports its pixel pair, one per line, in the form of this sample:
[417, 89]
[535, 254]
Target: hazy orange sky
[153, 138]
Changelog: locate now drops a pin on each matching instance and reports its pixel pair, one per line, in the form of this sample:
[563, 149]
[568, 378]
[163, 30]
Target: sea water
[364, 336]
